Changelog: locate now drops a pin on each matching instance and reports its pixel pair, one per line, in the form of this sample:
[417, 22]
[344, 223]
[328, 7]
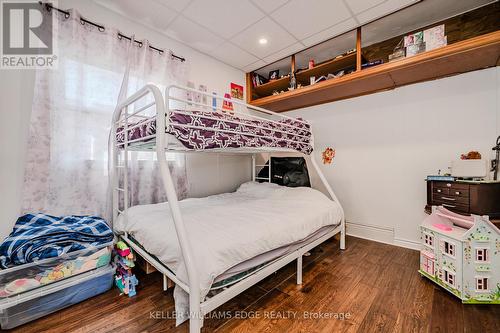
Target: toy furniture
[462, 254]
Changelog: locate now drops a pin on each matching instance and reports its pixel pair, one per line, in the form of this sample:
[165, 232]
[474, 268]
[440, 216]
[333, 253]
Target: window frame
[485, 255]
[484, 284]
[428, 236]
[452, 249]
[446, 277]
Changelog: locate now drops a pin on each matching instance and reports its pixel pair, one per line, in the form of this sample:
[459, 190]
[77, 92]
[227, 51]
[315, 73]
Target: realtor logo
[27, 35]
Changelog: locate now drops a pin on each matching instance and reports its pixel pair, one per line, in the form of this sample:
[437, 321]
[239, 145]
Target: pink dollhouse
[462, 254]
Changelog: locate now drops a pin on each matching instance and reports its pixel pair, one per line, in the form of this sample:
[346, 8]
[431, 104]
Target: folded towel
[41, 236]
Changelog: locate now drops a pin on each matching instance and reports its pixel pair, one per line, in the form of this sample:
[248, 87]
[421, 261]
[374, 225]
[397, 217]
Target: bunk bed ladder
[255, 166]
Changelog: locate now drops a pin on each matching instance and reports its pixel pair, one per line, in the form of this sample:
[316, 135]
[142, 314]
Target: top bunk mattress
[202, 130]
[228, 229]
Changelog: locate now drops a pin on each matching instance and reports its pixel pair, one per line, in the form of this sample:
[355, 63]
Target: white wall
[206, 174]
[16, 94]
[387, 143]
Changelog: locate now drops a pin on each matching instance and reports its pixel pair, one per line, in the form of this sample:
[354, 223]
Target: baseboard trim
[380, 234]
[371, 232]
[409, 244]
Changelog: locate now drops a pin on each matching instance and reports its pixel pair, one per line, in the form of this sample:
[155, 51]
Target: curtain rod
[101, 28]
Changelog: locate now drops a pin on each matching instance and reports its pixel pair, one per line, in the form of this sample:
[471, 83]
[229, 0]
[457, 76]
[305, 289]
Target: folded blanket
[42, 236]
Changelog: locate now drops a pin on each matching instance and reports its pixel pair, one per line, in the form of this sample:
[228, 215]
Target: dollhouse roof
[456, 232]
[461, 226]
[485, 222]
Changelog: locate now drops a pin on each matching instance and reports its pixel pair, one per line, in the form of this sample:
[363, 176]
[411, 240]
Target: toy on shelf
[125, 279]
[462, 254]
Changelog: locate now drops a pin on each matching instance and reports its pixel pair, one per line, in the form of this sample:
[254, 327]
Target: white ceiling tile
[304, 18]
[254, 66]
[269, 6]
[178, 5]
[277, 38]
[328, 33]
[148, 12]
[357, 6]
[383, 9]
[288, 51]
[194, 35]
[223, 17]
[233, 55]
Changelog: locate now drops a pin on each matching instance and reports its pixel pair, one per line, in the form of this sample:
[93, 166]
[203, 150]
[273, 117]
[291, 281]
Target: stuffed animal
[328, 155]
[472, 155]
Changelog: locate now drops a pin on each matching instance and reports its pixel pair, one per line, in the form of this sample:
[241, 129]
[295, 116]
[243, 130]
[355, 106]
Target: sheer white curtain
[66, 164]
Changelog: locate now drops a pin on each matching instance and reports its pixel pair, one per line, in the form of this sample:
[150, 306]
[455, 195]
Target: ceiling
[230, 30]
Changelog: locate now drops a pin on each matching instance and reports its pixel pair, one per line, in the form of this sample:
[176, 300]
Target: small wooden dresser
[465, 197]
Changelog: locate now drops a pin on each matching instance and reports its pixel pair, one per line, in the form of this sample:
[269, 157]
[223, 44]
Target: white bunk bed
[134, 128]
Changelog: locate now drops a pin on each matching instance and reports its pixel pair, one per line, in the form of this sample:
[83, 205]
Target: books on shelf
[440, 177]
[258, 80]
[372, 63]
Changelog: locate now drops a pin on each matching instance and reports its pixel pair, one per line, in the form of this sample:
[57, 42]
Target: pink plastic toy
[441, 226]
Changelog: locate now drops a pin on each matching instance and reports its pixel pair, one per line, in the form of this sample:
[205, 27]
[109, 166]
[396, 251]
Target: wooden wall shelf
[464, 56]
[330, 66]
[268, 87]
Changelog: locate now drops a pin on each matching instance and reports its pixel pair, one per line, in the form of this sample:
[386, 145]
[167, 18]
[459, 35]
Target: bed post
[253, 167]
[195, 315]
[299, 269]
[334, 198]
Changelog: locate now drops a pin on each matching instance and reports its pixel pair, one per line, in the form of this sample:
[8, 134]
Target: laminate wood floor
[369, 287]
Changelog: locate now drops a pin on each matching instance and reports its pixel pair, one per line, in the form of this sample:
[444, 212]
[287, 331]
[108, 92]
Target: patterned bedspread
[287, 133]
[42, 236]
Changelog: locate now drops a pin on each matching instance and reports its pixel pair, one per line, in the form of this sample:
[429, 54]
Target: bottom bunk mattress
[229, 229]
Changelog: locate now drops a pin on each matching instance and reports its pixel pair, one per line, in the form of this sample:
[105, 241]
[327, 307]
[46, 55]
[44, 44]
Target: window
[482, 255]
[449, 248]
[482, 284]
[449, 278]
[428, 240]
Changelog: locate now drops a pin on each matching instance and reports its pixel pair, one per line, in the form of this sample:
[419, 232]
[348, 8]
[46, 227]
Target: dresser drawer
[463, 193]
[440, 191]
[450, 199]
[454, 207]
[451, 186]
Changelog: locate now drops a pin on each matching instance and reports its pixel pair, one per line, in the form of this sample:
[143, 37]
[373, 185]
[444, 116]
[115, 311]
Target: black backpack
[287, 171]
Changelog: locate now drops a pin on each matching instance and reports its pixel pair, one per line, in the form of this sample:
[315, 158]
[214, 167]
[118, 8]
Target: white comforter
[227, 229]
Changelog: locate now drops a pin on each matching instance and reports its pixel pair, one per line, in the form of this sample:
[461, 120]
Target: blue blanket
[42, 236]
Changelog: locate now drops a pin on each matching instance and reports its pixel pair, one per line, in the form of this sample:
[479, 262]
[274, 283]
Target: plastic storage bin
[41, 273]
[22, 308]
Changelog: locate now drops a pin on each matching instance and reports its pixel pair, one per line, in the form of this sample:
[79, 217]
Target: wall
[206, 174]
[16, 94]
[387, 143]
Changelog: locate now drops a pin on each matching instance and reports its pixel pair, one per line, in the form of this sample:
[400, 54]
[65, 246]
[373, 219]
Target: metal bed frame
[158, 142]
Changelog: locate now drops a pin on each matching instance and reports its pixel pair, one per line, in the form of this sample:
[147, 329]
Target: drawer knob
[457, 193]
[449, 185]
[439, 191]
